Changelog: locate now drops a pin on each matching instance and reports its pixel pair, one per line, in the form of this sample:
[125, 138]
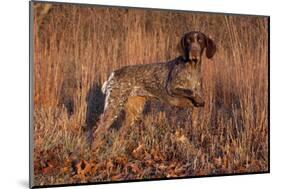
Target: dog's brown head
[193, 45]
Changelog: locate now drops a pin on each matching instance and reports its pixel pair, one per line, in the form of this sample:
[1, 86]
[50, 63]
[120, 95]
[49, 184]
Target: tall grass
[77, 47]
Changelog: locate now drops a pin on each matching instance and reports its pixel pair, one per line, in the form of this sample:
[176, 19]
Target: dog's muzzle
[194, 57]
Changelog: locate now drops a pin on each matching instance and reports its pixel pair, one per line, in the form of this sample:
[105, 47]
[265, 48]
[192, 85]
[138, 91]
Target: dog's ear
[182, 46]
[210, 47]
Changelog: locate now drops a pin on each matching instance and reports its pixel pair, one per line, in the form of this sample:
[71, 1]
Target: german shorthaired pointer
[176, 83]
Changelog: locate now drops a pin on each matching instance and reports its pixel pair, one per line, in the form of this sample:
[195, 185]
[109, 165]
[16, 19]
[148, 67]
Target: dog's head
[193, 45]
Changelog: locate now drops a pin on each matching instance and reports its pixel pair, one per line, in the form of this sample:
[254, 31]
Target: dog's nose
[194, 55]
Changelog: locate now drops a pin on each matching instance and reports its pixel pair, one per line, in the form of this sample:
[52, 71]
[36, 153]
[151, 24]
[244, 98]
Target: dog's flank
[176, 83]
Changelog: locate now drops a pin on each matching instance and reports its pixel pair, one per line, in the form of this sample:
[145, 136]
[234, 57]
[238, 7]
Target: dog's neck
[196, 66]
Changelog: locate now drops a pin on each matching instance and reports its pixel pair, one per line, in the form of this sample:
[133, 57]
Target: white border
[14, 84]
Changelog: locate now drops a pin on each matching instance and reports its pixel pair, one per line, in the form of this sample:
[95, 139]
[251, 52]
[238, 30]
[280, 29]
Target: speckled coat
[176, 83]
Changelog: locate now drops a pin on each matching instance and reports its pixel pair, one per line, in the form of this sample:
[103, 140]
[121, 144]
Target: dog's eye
[188, 40]
[200, 40]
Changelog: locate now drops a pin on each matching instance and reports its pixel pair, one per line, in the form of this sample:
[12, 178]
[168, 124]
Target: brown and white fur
[176, 83]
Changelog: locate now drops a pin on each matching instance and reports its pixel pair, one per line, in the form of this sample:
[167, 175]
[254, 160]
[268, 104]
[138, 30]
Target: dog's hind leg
[110, 115]
[134, 109]
[133, 114]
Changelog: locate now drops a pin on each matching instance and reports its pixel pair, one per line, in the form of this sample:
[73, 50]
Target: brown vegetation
[77, 47]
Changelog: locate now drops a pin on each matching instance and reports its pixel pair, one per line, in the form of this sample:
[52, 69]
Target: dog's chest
[186, 76]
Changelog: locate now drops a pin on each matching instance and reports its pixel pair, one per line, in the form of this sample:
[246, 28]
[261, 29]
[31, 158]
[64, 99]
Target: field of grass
[77, 47]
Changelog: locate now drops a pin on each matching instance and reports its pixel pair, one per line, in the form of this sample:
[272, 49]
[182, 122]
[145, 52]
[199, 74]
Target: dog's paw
[199, 103]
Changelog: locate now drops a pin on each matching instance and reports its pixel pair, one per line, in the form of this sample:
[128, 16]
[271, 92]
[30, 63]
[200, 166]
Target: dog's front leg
[191, 94]
[198, 101]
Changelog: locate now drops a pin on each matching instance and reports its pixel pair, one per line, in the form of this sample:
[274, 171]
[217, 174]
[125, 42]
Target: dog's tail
[106, 89]
[104, 86]
[107, 84]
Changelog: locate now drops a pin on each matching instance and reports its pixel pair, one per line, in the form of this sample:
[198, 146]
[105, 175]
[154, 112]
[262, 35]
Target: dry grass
[77, 47]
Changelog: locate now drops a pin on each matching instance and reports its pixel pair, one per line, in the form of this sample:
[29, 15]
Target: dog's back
[149, 80]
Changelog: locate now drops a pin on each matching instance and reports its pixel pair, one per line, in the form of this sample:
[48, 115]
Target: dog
[175, 83]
